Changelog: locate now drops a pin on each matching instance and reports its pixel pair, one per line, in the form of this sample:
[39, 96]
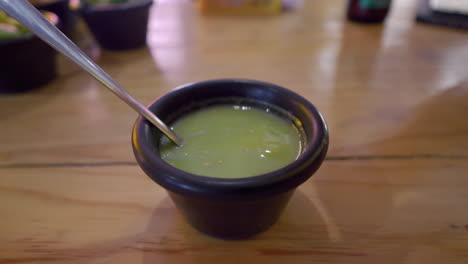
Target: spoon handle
[32, 19]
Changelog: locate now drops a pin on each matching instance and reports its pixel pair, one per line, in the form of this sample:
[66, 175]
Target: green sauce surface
[231, 141]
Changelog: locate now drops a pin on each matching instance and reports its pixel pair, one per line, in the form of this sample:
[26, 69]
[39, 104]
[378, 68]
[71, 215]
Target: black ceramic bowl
[231, 208]
[62, 9]
[118, 26]
[26, 62]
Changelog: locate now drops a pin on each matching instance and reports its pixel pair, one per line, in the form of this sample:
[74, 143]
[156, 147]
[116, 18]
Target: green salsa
[10, 28]
[232, 141]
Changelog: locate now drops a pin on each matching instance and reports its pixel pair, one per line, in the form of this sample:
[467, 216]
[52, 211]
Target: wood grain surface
[394, 187]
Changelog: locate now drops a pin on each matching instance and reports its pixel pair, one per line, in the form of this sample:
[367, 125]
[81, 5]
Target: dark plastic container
[231, 208]
[118, 26]
[368, 11]
[26, 62]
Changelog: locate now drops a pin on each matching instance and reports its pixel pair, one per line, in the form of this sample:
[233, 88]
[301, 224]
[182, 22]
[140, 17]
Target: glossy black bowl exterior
[26, 62]
[118, 26]
[230, 208]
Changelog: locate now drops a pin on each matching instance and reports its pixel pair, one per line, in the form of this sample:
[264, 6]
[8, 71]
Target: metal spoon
[32, 19]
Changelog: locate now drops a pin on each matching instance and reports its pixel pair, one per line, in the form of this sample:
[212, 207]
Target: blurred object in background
[117, 24]
[368, 11]
[450, 13]
[450, 6]
[64, 9]
[26, 61]
[240, 7]
[292, 4]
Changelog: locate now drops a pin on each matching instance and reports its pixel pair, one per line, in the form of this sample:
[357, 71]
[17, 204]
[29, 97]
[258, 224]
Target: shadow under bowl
[231, 208]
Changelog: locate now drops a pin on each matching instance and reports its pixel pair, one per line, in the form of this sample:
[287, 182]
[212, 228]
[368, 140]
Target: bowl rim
[276, 181]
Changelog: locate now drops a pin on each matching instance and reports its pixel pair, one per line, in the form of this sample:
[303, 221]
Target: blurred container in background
[62, 8]
[292, 4]
[27, 62]
[118, 25]
[368, 11]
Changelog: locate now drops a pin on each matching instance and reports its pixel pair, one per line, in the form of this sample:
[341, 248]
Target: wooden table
[394, 188]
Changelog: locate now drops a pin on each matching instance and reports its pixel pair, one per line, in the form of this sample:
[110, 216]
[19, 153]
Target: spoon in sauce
[32, 19]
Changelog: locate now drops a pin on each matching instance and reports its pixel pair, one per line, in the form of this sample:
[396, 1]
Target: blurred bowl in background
[118, 26]
[62, 8]
[27, 61]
